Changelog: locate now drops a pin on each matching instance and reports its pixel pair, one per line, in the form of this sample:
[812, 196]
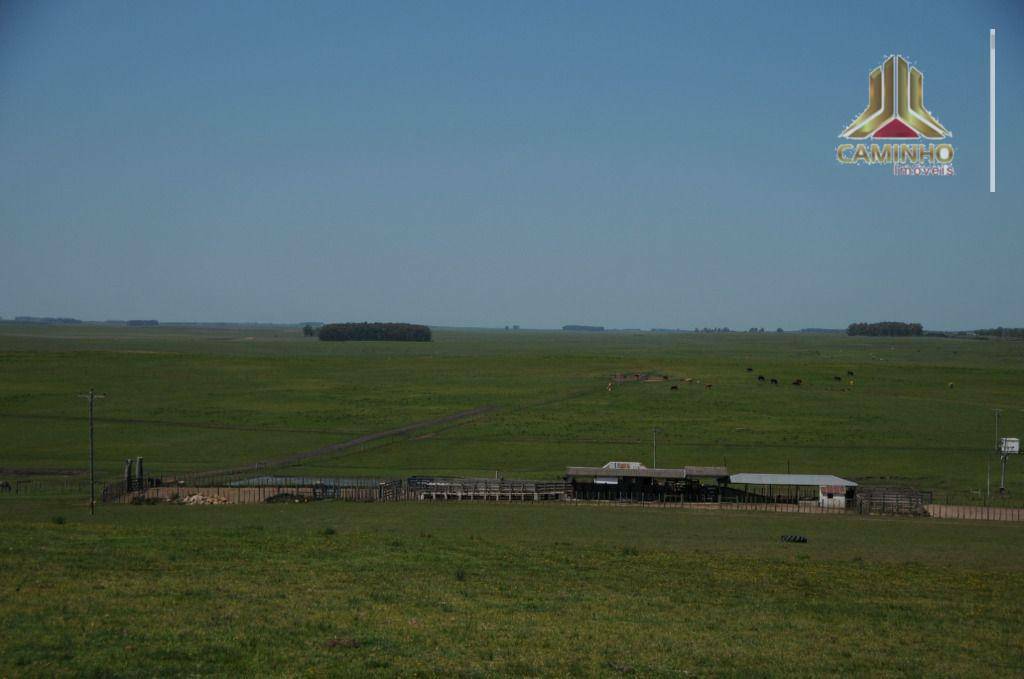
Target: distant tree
[515, 327]
[886, 329]
[779, 330]
[308, 330]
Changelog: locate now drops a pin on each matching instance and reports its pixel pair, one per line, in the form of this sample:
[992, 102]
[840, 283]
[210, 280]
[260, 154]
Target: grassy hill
[349, 589]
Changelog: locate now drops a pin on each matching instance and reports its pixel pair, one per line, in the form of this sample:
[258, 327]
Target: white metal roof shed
[791, 480]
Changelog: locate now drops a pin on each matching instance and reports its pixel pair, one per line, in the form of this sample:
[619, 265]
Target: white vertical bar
[992, 110]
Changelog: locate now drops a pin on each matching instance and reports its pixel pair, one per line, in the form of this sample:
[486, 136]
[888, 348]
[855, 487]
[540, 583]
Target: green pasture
[342, 589]
[187, 398]
[347, 589]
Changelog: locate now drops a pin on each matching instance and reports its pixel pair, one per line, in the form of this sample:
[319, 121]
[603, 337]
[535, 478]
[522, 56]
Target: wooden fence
[433, 488]
[38, 487]
[892, 501]
[982, 513]
[232, 489]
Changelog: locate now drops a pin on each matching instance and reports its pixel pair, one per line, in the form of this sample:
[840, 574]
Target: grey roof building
[791, 480]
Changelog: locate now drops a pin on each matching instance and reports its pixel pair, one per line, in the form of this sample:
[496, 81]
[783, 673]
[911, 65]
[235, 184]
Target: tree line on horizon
[374, 332]
[1013, 333]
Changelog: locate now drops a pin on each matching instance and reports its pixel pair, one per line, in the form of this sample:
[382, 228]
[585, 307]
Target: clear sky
[533, 163]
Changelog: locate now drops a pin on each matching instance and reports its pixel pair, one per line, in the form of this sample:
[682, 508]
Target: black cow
[674, 387]
[774, 381]
[760, 378]
[750, 370]
[849, 373]
[797, 382]
[837, 378]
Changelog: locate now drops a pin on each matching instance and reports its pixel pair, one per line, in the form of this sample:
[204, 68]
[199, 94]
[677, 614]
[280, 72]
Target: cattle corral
[616, 484]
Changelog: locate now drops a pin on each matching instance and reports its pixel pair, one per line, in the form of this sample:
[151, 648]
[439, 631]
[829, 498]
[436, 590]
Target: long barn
[825, 490]
[634, 481]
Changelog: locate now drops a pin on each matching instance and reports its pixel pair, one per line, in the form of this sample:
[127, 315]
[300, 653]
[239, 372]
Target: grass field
[186, 398]
[344, 589]
[347, 589]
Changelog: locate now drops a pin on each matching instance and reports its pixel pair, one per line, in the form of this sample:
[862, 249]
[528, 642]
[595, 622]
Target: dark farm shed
[635, 482]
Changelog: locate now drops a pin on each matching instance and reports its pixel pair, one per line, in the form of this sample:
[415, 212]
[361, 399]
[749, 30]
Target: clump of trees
[1015, 333]
[886, 329]
[47, 320]
[371, 332]
[143, 323]
[583, 328]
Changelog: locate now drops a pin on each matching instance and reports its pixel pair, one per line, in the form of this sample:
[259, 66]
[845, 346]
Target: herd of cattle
[798, 382]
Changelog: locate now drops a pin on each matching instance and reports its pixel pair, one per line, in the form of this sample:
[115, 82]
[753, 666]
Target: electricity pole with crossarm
[92, 396]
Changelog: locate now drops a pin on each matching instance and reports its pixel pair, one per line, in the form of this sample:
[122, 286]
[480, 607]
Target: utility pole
[988, 481]
[92, 396]
[654, 433]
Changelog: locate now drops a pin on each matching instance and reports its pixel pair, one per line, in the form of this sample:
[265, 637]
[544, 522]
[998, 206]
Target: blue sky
[625, 164]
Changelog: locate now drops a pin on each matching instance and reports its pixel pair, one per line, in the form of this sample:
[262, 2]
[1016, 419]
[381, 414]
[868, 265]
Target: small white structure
[832, 497]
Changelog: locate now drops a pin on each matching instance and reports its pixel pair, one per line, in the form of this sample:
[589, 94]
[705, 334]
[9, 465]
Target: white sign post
[1007, 447]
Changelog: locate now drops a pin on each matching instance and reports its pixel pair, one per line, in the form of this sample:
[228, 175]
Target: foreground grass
[338, 588]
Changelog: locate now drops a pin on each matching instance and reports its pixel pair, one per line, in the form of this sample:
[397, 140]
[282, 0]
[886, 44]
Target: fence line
[47, 487]
[231, 489]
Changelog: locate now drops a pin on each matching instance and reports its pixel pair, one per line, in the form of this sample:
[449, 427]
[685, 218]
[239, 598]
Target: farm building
[634, 481]
[825, 490]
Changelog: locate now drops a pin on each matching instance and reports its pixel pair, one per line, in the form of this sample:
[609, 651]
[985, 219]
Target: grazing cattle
[849, 373]
[674, 387]
[797, 382]
[851, 383]
[5, 486]
[760, 378]
[750, 370]
[688, 380]
[708, 385]
[774, 381]
[950, 385]
[837, 378]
